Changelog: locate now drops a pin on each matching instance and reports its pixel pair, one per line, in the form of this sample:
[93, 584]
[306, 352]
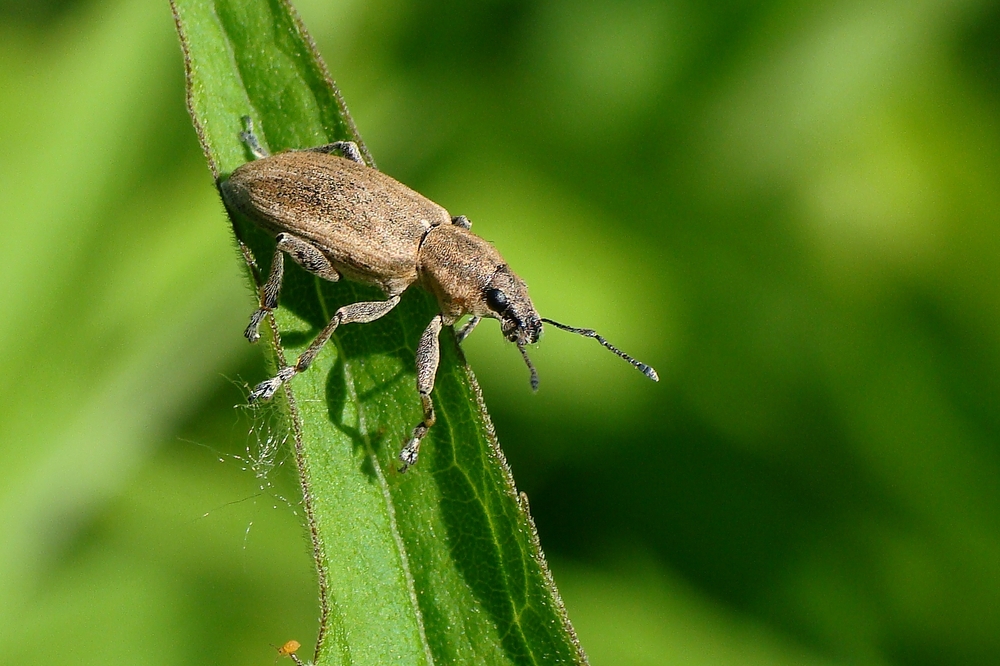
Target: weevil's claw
[266, 389]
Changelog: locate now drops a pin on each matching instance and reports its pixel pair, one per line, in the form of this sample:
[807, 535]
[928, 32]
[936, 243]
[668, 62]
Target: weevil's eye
[496, 299]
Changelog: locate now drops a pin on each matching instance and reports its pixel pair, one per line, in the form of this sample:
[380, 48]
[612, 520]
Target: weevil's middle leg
[249, 139]
[356, 313]
[428, 356]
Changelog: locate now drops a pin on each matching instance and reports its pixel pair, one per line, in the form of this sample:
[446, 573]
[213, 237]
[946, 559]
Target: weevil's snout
[521, 330]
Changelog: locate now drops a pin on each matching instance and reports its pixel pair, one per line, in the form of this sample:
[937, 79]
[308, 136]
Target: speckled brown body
[368, 225]
[375, 230]
[335, 216]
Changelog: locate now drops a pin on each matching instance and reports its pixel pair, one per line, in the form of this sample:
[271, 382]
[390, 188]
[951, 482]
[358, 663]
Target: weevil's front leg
[249, 139]
[305, 254]
[470, 326]
[428, 355]
[348, 149]
[356, 313]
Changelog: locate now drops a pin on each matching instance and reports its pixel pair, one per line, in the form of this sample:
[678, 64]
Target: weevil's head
[506, 298]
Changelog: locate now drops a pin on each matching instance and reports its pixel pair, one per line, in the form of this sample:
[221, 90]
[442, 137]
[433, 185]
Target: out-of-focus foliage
[789, 209]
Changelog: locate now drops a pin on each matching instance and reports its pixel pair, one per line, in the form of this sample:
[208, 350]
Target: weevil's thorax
[468, 276]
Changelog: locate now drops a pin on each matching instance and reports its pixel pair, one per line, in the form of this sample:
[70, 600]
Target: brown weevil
[335, 216]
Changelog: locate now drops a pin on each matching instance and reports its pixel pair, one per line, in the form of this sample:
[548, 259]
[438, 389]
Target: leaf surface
[438, 565]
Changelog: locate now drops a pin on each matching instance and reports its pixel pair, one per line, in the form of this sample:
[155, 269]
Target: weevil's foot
[252, 332]
[408, 456]
[266, 389]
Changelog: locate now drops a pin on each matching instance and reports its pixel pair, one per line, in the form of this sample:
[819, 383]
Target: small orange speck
[289, 648]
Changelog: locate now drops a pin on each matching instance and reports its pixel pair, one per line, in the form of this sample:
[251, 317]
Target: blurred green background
[789, 209]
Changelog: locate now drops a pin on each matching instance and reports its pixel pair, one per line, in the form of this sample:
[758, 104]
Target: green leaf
[438, 565]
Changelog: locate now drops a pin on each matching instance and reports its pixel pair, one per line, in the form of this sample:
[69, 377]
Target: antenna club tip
[649, 372]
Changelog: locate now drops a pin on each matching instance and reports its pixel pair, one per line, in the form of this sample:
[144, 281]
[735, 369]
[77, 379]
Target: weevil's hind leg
[470, 326]
[428, 356]
[356, 313]
[305, 254]
[249, 139]
[348, 149]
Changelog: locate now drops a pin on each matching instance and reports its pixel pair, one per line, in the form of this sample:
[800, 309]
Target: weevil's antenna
[531, 366]
[590, 333]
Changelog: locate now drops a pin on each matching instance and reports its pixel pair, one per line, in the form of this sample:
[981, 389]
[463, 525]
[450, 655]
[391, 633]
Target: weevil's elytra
[335, 216]
[368, 225]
